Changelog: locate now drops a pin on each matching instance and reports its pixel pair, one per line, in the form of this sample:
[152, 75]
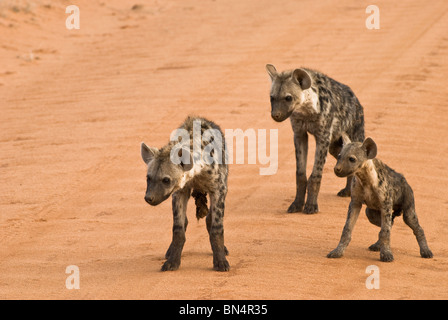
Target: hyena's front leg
[352, 215]
[316, 176]
[180, 200]
[216, 229]
[301, 147]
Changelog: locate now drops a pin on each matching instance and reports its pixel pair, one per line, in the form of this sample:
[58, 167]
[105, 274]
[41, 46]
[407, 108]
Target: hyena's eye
[288, 98]
[166, 180]
[339, 157]
[352, 159]
[272, 98]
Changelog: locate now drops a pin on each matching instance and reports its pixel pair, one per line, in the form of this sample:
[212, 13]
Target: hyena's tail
[200, 199]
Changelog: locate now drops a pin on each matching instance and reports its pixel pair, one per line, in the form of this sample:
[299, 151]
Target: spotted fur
[386, 194]
[323, 107]
[197, 178]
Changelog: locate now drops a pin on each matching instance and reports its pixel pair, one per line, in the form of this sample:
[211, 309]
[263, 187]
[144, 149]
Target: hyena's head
[163, 176]
[289, 92]
[353, 156]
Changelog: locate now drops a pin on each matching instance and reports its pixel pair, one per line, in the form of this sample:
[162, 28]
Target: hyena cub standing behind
[192, 174]
[323, 107]
[385, 192]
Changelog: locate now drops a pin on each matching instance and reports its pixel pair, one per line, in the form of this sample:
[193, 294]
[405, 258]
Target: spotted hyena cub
[317, 105]
[385, 192]
[191, 164]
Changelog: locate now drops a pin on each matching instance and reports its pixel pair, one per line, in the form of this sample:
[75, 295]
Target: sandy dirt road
[75, 105]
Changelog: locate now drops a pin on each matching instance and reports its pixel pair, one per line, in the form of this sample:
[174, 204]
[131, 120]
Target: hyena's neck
[367, 174]
[189, 175]
[309, 104]
[312, 99]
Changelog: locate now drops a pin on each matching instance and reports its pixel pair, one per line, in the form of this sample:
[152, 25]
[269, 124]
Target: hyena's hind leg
[208, 221]
[374, 217]
[410, 218]
[200, 199]
[215, 228]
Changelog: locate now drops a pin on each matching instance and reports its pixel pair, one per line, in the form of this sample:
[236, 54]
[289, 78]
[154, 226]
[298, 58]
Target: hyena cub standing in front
[385, 192]
[194, 166]
[323, 107]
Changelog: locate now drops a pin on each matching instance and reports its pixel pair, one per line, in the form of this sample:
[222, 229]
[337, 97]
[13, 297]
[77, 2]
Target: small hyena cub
[187, 168]
[385, 193]
[322, 107]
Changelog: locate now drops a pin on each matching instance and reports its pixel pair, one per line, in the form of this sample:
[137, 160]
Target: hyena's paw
[311, 208]
[426, 253]
[170, 265]
[375, 247]
[386, 256]
[221, 265]
[226, 252]
[336, 253]
[346, 192]
[296, 206]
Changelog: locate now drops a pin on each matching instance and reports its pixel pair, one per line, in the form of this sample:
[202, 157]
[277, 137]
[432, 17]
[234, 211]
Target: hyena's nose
[276, 115]
[149, 199]
[337, 170]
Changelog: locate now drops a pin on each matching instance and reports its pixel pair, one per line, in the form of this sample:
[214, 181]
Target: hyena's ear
[370, 146]
[148, 153]
[345, 139]
[271, 71]
[186, 159]
[302, 78]
[337, 146]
